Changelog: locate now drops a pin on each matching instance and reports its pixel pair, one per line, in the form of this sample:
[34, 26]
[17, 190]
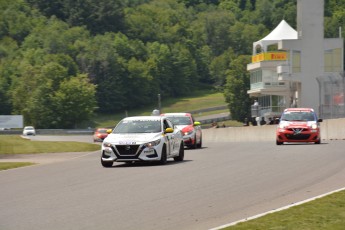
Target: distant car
[191, 129]
[298, 125]
[100, 134]
[142, 138]
[29, 130]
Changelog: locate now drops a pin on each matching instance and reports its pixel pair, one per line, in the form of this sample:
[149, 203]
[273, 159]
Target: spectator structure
[299, 68]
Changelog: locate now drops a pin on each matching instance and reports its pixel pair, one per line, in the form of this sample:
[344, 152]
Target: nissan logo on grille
[297, 131]
[128, 147]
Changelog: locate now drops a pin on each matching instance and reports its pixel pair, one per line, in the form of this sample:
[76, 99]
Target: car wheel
[180, 156]
[279, 143]
[106, 164]
[200, 143]
[318, 142]
[164, 157]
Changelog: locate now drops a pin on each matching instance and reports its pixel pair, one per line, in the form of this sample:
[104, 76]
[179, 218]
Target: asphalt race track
[215, 185]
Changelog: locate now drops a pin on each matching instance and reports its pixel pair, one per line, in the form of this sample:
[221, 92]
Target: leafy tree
[17, 19]
[219, 67]
[189, 3]
[162, 21]
[145, 87]
[231, 6]
[160, 67]
[74, 102]
[98, 16]
[8, 48]
[334, 19]
[107, 69]
[213, 29]
[24, 84]
[55, 36]
[39, 110]
[185, 78]
[243, 35]
[203, 57]
[32, 94]
[235, 91]
[5, 105]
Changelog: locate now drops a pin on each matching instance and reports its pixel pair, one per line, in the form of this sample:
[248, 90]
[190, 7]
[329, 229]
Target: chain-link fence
[332, 90]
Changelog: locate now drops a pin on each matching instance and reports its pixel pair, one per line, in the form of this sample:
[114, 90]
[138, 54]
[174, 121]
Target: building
[299, 68]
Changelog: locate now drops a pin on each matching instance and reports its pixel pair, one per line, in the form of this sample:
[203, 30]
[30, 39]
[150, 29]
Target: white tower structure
[297, 68]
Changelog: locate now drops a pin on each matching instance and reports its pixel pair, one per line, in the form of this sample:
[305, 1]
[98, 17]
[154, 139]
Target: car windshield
[180, 120]
[298, 116]
[102, 130]
[138, 126]
[29, 128]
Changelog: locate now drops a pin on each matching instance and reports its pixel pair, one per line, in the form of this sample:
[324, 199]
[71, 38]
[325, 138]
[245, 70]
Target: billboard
[11, 121]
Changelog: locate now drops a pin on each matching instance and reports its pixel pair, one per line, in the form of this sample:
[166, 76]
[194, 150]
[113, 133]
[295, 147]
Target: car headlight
[314, 126]
[187, 133]
[106, 144]
[152, 143]
[282, 126]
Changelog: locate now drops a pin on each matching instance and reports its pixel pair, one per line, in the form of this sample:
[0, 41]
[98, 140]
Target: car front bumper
[304, 136]
[189, 140]
[127, 153]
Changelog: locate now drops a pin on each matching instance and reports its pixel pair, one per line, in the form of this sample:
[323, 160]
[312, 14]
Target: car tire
[318, 142]
[106, 164]
[279, 143]
[164, 156]
[180, 156]
[200, 143]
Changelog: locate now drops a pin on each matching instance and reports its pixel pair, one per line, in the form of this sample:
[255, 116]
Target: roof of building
[282, 32]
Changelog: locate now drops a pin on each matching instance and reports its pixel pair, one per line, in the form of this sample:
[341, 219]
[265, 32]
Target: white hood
[132, 138]
[180, 127]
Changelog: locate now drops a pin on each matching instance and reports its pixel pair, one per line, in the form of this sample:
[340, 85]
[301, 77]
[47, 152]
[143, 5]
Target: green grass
[11, 165]
[10, 144]
[327, 213]
[199, 100]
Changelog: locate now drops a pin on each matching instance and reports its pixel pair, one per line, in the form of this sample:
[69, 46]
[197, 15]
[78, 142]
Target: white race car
[143, 138]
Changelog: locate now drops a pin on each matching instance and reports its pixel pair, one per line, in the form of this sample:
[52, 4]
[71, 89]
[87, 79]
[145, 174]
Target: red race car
[100, 134]
[191, 129]
[298, 125]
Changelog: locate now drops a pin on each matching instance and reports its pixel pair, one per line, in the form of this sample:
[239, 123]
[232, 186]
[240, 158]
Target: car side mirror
[319, 120]
[196, 123]
[169, 130]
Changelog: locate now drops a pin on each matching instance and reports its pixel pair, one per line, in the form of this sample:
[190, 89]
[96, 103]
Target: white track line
[276, 210]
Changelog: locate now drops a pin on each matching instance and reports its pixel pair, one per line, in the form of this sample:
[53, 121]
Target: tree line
[63, 60]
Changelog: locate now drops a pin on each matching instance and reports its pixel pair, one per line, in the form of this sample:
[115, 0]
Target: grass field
[12, 144]
[200, 100]
[12, 165]
[326, 213]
